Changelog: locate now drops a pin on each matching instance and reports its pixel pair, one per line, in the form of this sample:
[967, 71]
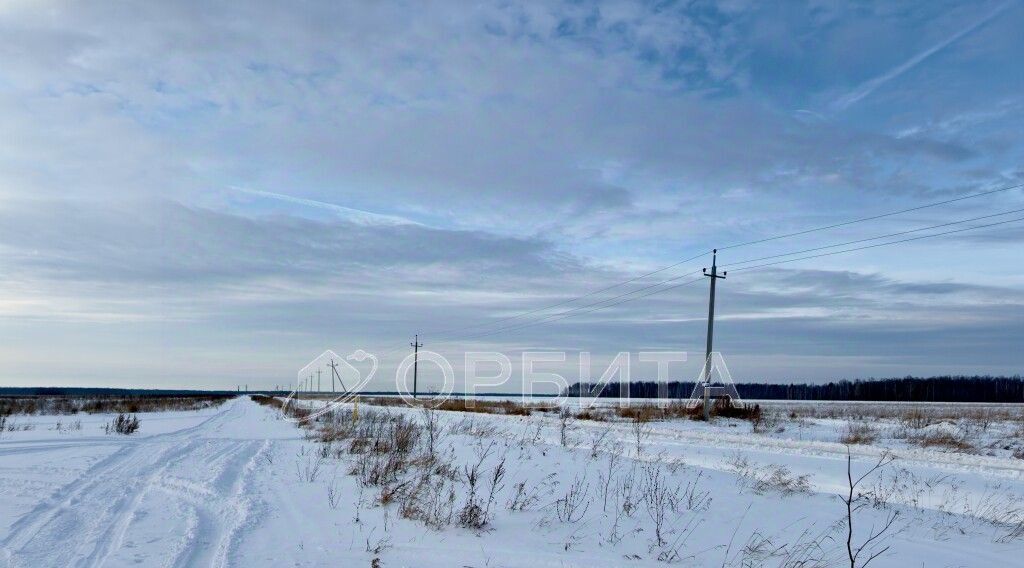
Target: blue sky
[207, 194]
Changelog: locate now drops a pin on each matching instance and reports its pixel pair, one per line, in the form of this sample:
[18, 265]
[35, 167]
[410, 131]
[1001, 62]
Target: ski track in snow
[104, 517]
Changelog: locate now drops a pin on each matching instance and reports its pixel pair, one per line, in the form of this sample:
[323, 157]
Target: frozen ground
[238, 485]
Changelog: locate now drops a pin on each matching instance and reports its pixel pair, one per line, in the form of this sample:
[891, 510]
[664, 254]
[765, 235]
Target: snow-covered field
[239, 485]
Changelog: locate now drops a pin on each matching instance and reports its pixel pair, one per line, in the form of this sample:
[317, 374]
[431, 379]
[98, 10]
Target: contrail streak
[868, 87]
[355, 215]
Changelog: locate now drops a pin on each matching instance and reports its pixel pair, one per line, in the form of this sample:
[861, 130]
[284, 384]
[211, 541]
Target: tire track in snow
[220, 509]
[113, 539]
[84, 522]
[97, 472]
[113, 536]
[242, 505]
[73, 518]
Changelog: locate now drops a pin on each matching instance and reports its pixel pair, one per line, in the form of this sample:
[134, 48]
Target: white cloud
[484, 157]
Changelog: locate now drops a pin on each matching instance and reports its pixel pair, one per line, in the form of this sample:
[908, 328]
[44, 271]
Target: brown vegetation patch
[945, 440]
[859, 433]
[63, 405]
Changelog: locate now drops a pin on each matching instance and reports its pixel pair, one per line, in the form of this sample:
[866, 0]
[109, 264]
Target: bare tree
[854, 502]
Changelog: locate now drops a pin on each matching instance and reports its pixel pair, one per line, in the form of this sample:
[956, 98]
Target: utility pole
[318, 379]
[714, 276]
[415, 362]
[334, 373]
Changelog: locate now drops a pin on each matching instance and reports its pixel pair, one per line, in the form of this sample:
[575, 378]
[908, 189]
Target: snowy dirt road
[171, 499]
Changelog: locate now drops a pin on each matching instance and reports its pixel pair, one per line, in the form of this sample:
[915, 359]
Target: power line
[569, 315]
[597, 305]
[563, 315]
[879, 244]
[450, 331]
[874, 217]
[626, 296]
[581, 310]
[874, 238]
[570, 300]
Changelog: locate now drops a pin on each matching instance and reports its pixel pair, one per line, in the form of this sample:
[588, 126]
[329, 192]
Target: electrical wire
[630, 296]
[597, 305]
[569, 301]
[454, 330]
[874, 217]
[880, 244]
[567, 313]
[730, 265]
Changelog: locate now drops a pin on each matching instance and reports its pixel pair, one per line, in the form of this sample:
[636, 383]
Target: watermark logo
[330, 380]
[713, 383]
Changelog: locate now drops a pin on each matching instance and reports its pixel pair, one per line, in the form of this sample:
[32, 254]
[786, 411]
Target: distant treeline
[108, 392]
[907, 389]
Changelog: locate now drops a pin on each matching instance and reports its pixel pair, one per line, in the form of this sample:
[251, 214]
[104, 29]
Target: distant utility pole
[415, 362]
[714, 276]
[318, 379]
[334, 373]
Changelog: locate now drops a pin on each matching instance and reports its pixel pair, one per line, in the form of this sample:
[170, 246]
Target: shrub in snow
[124, 424]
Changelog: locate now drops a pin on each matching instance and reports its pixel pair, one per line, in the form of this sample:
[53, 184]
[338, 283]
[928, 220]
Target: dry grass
[395, 455]
[859, 433]
[914, 418]
[64, 405]
[678, 409]
[266, 400]
[593, 415]
[505, 407]
[764, 478]
[910, 415]
[642, 412]
[945, 440]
